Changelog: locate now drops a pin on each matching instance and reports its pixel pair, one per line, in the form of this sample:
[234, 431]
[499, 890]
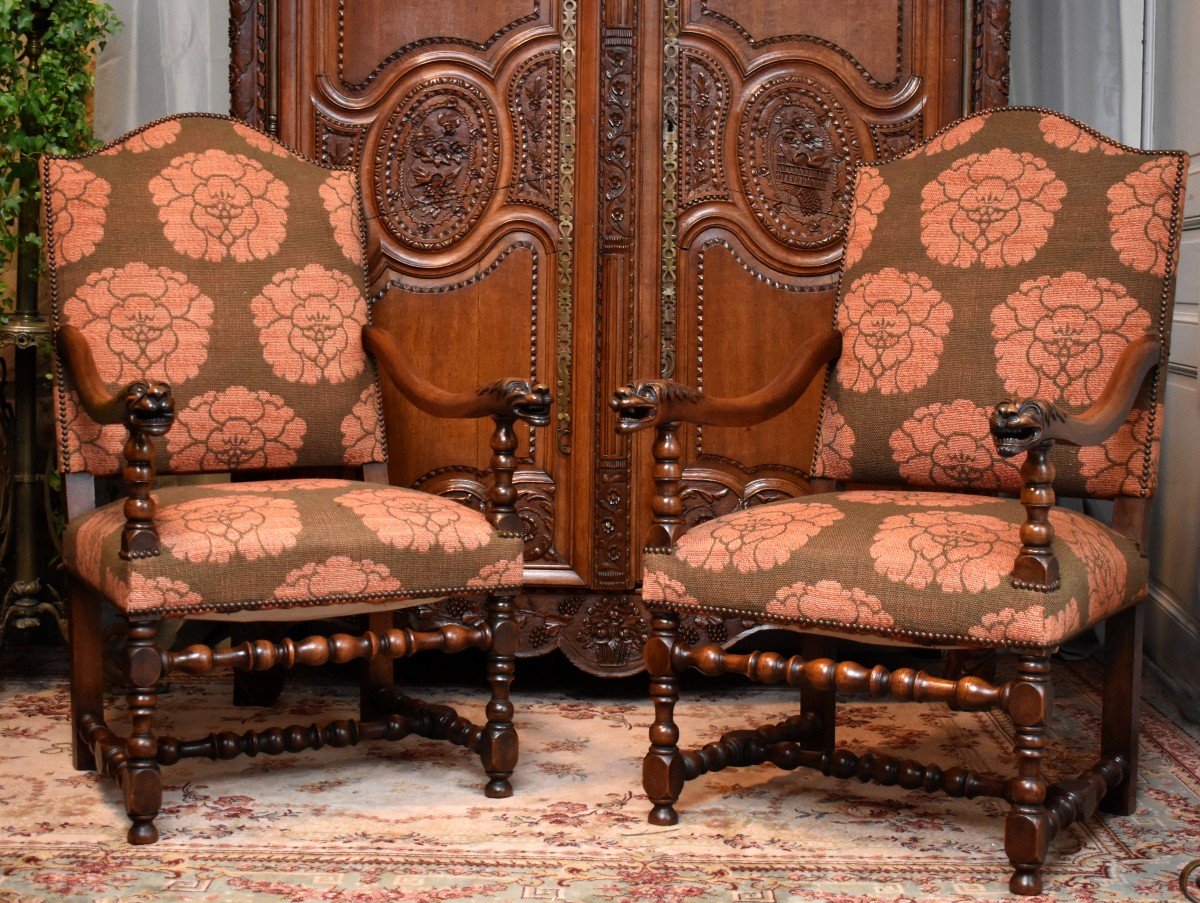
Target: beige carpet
[408, 822]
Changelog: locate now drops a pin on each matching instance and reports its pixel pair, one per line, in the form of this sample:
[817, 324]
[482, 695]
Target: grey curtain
[1083, 58]
[171, 56]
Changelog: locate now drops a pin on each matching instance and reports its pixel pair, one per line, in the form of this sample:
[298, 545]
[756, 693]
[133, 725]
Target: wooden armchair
[211, 317]
[1017, 254]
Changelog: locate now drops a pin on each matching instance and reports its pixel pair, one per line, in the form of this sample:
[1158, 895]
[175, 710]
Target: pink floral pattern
[153, 138]
[259, 141]
[994, 209]
[951, 445]
[361, 429]
[145, 593]
[310, 325]
[916, 499]
[503, 573]
[340, 576]
[755, 539]
[828, 600]
[408, 519]
[659, 587]
[1119, 466]
[217, 528]
[1107, 570]
[957, 135]
[870, 194]
[238, 428]
[79, 205]
[836, 443]
[215, 205]
[957, 551]
[892, 325]
[99, 448]
[142, 322]
[90, 538]
[1141, 207]
[1030, 626]
[340, 197]
[1064, 134]
[1059, 337]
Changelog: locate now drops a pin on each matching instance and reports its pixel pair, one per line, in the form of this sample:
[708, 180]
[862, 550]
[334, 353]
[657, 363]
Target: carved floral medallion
[440, 153]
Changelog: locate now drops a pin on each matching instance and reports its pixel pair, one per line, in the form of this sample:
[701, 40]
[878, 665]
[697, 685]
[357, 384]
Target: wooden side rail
[262, 655]
[967, 693]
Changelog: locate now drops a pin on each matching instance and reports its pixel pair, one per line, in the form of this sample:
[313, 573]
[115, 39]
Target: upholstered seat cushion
[293, 543]
[930, 566]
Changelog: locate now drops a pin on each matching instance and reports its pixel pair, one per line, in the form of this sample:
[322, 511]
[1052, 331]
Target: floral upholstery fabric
[199, 252]
[1014, 255]
[929, 566]
[288, 543]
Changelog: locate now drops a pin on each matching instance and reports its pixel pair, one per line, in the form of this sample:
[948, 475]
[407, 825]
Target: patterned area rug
[408, 821]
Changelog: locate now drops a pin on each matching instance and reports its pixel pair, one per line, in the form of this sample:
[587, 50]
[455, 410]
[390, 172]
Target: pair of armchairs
[1016, 254]
[211, 315]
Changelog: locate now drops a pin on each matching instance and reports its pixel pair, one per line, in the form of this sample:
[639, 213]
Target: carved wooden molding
[669, 255]
[704, 91]
[533, 101]
[248, 69]
[565, 309]
[616, 289]
[417, 45]
[992, 43]
[758, 43]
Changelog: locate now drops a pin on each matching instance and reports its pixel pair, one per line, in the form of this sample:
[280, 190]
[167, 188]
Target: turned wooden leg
[662, 769]
[378, 672]
[258, 688]
[140, 779]
[1122, 704]
[87, 671]
[822, 703]
[498, 747]
[1027, 828]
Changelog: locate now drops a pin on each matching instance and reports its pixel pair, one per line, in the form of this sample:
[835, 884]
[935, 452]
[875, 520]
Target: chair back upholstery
[1014, 255]
[202, 253]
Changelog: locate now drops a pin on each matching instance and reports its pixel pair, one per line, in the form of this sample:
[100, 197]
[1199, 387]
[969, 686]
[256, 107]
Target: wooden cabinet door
[596, 191]
[460, 117]
[767, 106]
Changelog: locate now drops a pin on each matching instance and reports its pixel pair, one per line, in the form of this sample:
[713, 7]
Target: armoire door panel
[776, 105]
[593, 191]
[453, 114]
[735, 296]
[371, 36]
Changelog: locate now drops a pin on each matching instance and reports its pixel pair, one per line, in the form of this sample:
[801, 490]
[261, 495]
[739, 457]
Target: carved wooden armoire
[594, 191]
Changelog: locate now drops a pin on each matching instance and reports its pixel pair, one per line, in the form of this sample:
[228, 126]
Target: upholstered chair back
[1014, 255]
[198, 252]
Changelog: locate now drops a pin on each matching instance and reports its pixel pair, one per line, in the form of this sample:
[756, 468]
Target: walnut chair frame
[147, 411]
[1039, 809]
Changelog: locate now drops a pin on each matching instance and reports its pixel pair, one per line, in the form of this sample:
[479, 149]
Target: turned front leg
[662, 769]
[498, 746]
[1027, 829]
[141, 780]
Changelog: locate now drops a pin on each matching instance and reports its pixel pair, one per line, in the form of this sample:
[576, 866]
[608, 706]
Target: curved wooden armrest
[511, 397]
[144, 405]
[147, 409]
[1034, 426]
[1019, 426]
[655, 401]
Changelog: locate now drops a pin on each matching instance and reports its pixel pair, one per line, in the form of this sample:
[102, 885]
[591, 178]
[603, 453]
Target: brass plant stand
[25, 499]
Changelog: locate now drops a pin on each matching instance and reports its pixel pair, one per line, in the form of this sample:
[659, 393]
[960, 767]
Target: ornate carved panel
[795, 149]
[436, 163]
[590, 192]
